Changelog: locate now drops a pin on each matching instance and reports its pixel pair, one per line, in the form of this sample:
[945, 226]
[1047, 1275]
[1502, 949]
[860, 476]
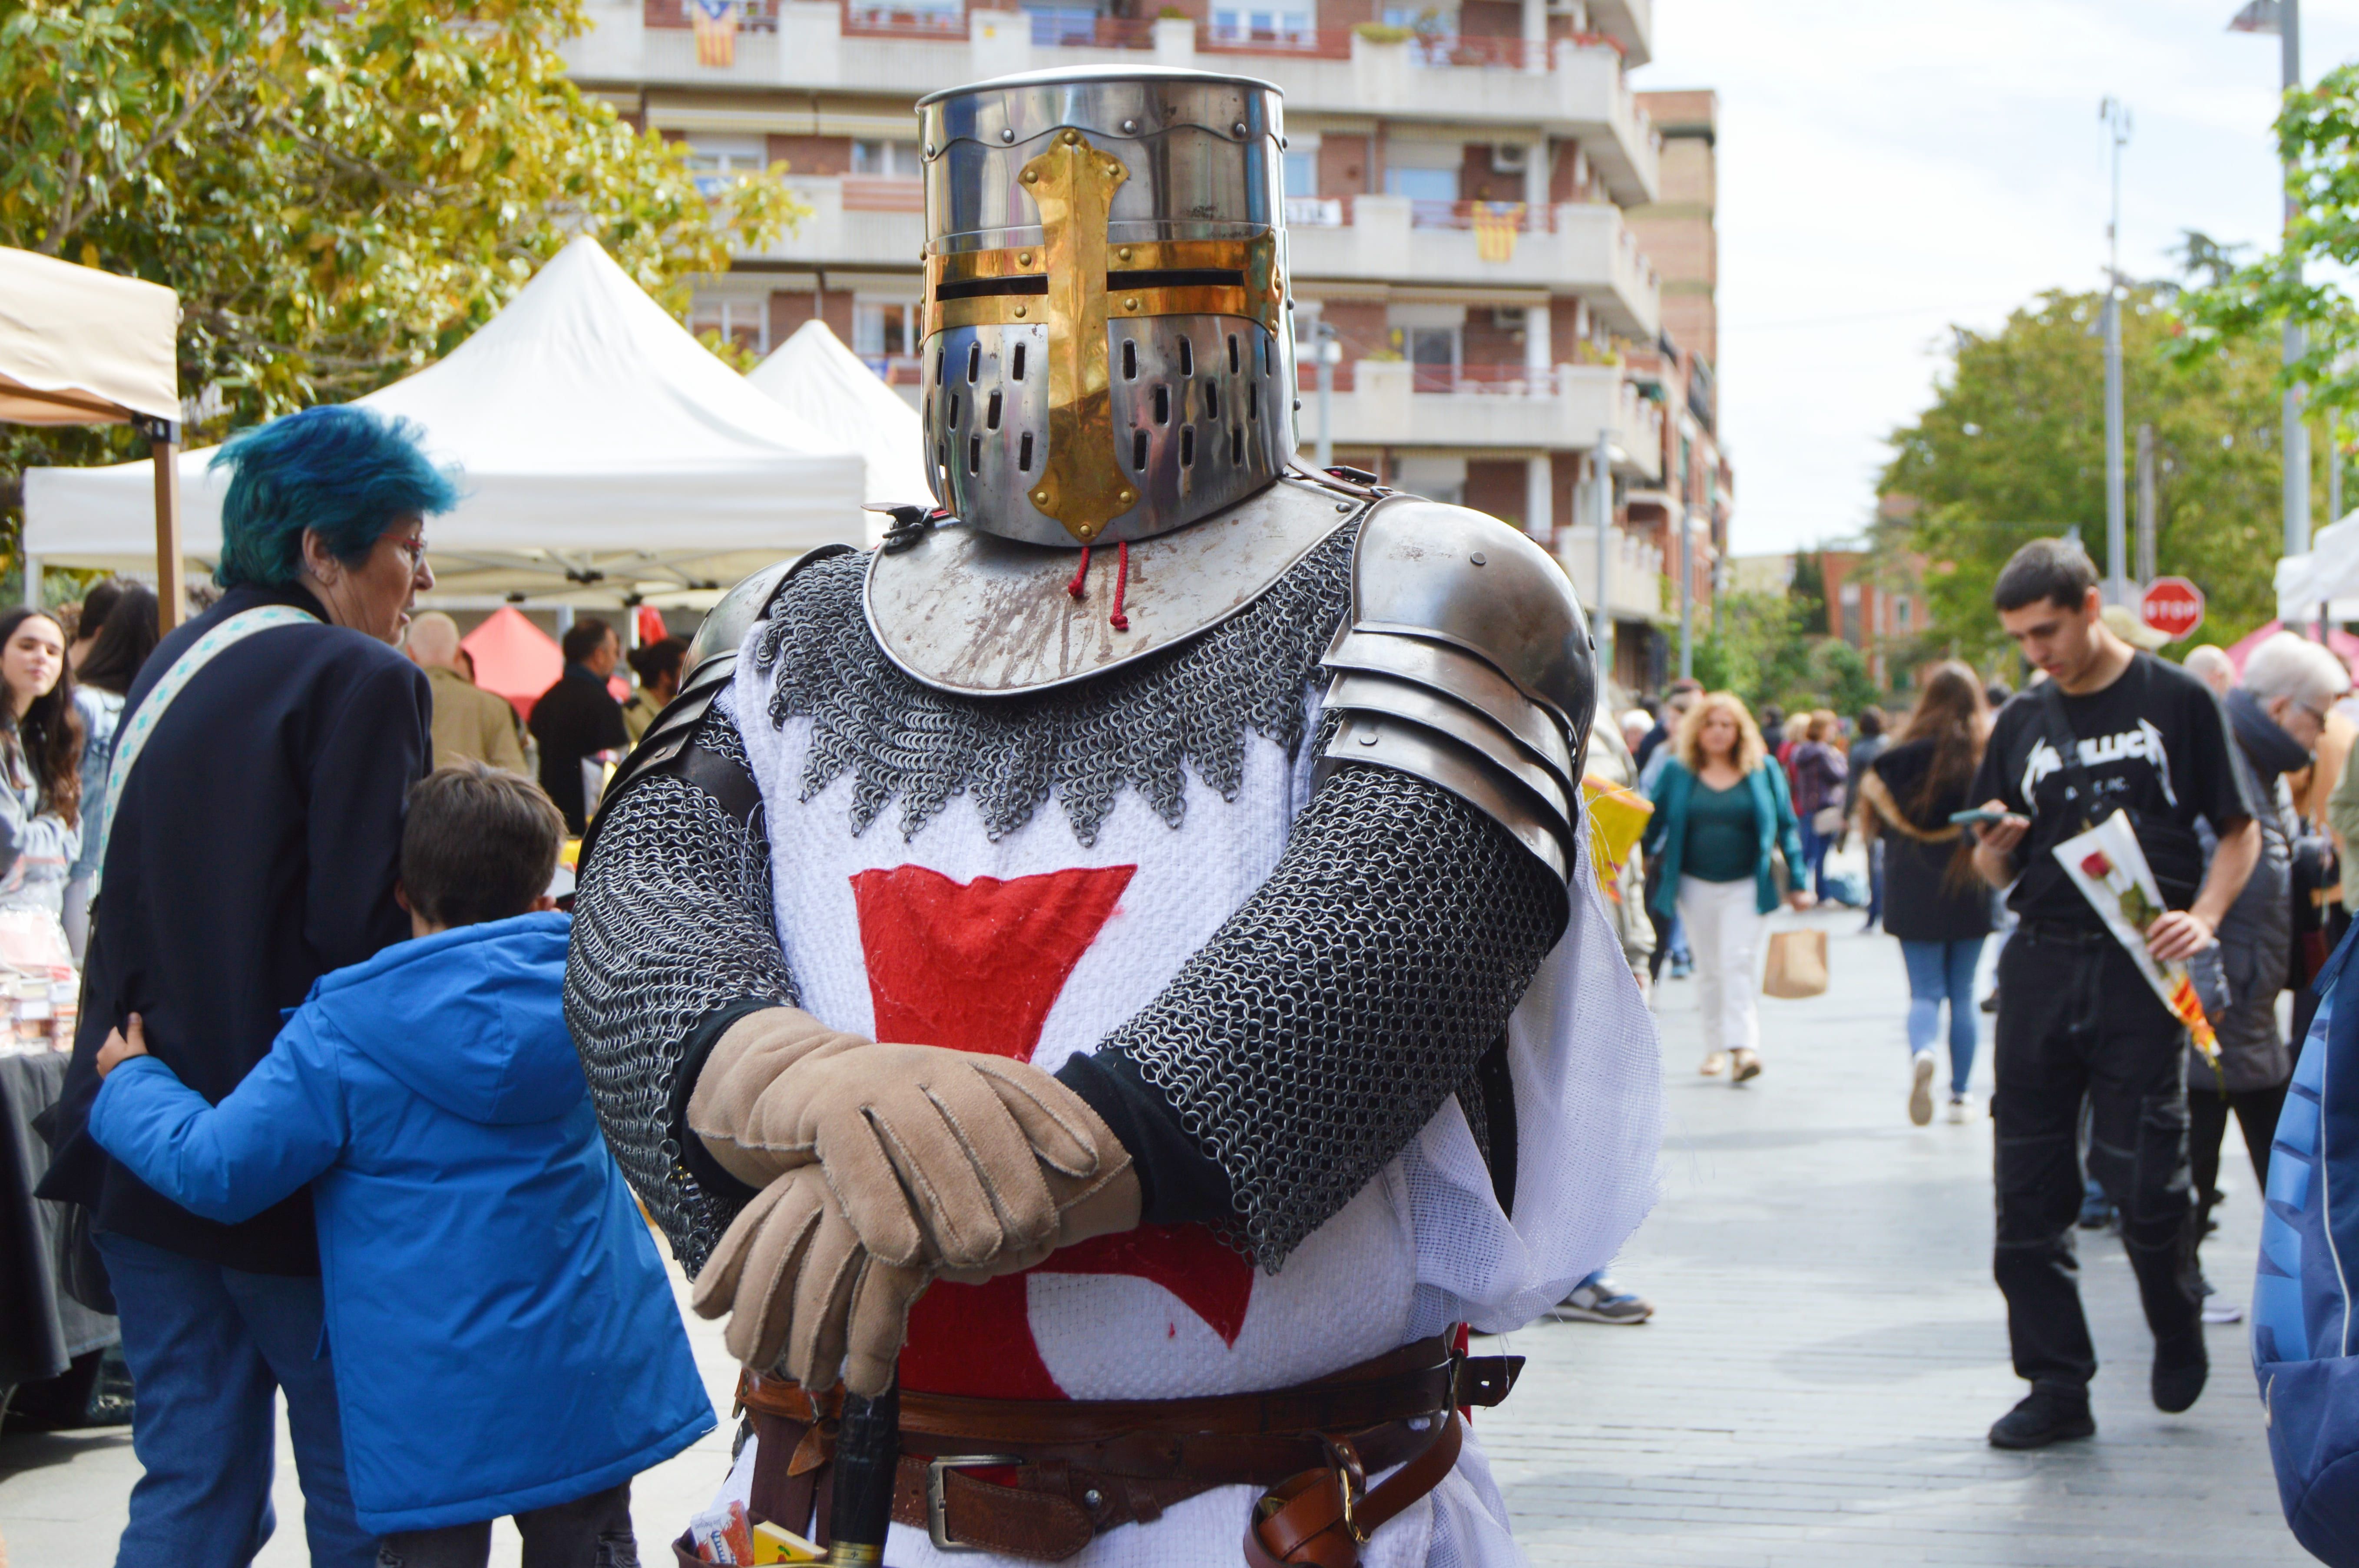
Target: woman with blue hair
[260, 766]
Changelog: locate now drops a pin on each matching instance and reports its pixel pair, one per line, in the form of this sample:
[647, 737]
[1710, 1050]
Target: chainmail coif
[672, 921]
[1135, 726]
[1326, 1021]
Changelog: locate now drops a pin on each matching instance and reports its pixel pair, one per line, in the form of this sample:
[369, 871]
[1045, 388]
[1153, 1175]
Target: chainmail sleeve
[1324, 1024]
[672, 930]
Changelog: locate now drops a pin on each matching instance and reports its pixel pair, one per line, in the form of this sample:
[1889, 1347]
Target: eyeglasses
[414, 550]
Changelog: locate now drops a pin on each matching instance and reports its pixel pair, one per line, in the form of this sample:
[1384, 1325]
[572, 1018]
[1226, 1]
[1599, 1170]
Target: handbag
[1797, 964]
[1827, 821]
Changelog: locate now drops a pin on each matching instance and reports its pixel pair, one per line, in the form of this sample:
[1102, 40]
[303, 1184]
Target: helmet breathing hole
[1023, 449]
[1265, 355]
[991, 412]
[974, 454]
[1253, 401]
[974, 363]
[1163, 405]
[1237, 446]
[1186, 446]
[1129, 360]
[952, 420]
[1139, 450]
[1232, 353]
[938, 362]
[1015, 366]
[1212, 400]
[1187, 358]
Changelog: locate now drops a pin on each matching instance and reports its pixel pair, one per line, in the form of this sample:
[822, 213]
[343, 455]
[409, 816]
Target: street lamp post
[1601, 483]
[2283, 17]
[2116, 115]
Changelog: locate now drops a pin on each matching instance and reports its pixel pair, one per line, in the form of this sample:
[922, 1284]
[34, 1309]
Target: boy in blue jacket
[506, 1342]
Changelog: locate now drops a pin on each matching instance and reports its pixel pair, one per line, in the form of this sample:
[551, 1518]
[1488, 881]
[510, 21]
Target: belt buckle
[937, 1505]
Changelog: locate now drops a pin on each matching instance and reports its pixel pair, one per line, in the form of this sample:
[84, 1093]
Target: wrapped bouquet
[2107, 864]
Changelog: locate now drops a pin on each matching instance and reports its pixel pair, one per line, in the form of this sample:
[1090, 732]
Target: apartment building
[1460, 175]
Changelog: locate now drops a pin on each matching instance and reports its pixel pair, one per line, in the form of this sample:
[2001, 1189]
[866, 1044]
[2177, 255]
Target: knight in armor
[1124, 952]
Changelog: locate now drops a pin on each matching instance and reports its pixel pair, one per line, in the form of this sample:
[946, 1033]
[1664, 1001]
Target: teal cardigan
[1666, 832]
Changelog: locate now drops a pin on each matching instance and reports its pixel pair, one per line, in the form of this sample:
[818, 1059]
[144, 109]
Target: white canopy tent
[607, 457]
[2328, 574]
[828, 386]
[82, 347]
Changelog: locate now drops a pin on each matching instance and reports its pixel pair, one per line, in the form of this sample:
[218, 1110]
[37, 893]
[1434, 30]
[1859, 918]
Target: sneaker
[1599, 1300]
[2179, 1373]
[2096, 1211]
[1990, 1002]
[2045, 1415]
[2218, 1308]
[1920, 1088]
[1957, 1110]
[1681, 968]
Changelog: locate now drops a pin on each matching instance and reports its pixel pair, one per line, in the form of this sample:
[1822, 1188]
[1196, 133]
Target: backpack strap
[131, 739]
[2058, 728]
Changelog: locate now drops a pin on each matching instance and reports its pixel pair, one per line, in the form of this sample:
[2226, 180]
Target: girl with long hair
[117, 651]
[1721, 812]
[40, 763]
[1933, 902]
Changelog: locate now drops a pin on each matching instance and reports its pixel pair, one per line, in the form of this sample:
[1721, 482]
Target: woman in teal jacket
[1720, 811]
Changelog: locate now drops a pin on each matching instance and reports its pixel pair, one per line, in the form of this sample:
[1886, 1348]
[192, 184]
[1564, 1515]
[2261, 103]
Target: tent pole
[33, 582]
[171, 589]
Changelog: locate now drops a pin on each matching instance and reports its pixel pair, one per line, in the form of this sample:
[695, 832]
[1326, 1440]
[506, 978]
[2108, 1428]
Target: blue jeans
[208, 1347]
[1938, 970]
[1814, 855]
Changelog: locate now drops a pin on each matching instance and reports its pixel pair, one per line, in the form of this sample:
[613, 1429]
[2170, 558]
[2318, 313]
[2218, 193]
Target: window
[745, 322]
[887, 160]
[1423, 185]
[1054, 25]
[716, 160]
[1288, 26]
[1302, 174]
[1900, 615]
[1433, 351]
[882, 329]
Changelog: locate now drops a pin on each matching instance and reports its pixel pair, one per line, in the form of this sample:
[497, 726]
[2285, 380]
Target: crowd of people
[2234, 775]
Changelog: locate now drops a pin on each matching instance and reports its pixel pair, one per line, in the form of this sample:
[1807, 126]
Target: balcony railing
[945, 25]
[1317, 212]
[1485, 380]
[883, 193]
[1517, 215]
[1312, 43]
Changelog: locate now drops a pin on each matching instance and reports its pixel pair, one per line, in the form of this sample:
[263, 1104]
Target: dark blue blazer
[254, 851]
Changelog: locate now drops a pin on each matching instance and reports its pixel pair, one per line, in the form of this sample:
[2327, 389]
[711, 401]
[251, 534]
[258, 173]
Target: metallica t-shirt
[2154, 741]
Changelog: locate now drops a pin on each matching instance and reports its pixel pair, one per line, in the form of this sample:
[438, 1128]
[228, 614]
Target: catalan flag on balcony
[715, 22]
[1495, 224]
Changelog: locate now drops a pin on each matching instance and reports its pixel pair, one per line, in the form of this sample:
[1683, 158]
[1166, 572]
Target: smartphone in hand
[1980, 817]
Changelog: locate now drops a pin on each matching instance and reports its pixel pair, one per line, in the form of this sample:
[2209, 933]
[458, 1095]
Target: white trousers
[1724, 928]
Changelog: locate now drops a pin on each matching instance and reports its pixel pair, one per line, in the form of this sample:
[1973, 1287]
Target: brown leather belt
[1039, 1478]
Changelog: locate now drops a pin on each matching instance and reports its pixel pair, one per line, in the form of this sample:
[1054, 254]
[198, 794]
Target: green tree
[341, 190]
[1758, 648]
[1809, 587]
[2318, 138]
[2013, 448]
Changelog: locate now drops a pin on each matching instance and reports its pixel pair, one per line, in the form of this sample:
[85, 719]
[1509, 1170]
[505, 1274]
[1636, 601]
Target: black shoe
[2045, 1415]
[1990, 1002]
[2179, 1373]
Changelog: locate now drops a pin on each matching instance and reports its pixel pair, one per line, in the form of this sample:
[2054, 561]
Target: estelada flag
[715, 22]
[1494, 224]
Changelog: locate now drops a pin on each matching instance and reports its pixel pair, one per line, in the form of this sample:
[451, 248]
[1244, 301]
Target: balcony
[1568, 88]
[1581, 248]
[1392, 403]
[855, 221]
[1633, 571]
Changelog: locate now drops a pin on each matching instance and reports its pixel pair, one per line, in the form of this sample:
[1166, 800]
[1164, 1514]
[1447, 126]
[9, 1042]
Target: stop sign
[2172, 606]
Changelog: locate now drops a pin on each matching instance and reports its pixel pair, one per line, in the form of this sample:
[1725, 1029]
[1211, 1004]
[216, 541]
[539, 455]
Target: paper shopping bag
[1797, 964]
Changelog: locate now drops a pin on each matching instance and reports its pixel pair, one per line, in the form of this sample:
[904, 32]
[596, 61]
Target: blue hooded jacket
[504, 1335]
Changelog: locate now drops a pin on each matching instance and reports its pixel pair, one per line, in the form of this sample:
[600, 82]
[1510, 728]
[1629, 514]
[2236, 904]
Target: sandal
[1744, 1064]
[1714, 1065]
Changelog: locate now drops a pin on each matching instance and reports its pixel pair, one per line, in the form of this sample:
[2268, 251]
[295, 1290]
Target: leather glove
[747, 1059]
[802, 1295]
[953, 1161]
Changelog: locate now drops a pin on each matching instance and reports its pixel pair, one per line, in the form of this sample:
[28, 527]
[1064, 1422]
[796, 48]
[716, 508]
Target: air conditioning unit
[1511, 157]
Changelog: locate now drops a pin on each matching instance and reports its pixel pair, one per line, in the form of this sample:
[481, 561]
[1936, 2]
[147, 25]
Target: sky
[1890, 168]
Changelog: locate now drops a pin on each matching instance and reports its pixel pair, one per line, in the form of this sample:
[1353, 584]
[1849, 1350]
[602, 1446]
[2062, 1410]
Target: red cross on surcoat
[976, 966]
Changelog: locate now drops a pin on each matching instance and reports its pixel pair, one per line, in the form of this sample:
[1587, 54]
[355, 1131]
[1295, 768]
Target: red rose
[2096, 865]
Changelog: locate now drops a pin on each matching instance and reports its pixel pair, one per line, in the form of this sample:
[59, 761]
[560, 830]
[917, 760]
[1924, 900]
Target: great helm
[1107, 355]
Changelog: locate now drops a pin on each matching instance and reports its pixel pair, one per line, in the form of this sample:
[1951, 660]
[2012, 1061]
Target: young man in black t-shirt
[2076, 1019]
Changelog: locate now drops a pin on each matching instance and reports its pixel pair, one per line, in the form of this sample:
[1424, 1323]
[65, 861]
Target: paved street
[1827, 1349]
[1813, 1389]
